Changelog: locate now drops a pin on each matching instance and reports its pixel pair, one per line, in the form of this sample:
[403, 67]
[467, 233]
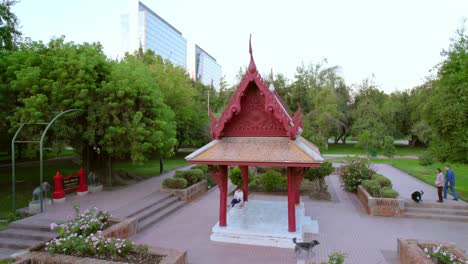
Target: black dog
[417, 196]
[304, 246]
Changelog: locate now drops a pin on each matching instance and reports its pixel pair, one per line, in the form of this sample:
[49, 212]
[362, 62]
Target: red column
[82, 176]
[298, 177]
[220, 177]
[245, 181]
[59, 193]
[291, 206]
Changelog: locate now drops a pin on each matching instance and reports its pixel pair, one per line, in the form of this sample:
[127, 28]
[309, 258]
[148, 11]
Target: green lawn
[48, 154]
[351, 149]
[27, 177]
[427, 173]
[3, 225]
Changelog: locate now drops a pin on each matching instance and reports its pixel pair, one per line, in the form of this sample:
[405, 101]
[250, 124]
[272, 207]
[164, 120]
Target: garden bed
[411, 251]
[380, 206]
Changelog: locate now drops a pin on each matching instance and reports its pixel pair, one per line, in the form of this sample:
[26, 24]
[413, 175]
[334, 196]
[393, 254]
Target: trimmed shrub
[272, 180]
[192, 176]
[373, 187]
[317, 173]
[209, 180]
[175, 183]
[353, 172]
[202, 167]
[382, 180]
[426, 160]
[235, 175]
[387, 192]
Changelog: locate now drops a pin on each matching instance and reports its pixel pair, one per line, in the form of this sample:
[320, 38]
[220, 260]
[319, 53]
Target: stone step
[461, 206]
[152, 205]
[5, 253]
[142, 225]
[445, 211]
[28, 234]
[30, 226]
[136, 207]
[17, 243]
[456, 218]
[155, 208]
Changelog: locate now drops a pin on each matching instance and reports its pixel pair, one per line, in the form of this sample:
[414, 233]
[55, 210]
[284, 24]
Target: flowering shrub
[353, 172]
[82, 236]
[442, 255]
[84, 224]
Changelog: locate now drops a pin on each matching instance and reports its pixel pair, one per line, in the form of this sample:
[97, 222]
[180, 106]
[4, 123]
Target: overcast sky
[396, 41]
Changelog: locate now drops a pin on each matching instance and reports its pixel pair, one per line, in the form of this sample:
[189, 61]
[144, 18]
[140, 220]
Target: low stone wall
[124, 228]
[409, 251]
[188, 194]
[171, 256]
[380, 206]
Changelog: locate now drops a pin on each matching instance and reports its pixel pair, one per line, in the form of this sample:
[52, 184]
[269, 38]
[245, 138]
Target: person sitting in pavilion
[238, 198]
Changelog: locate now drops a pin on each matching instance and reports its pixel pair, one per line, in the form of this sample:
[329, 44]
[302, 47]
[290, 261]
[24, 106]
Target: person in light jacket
[238, 197]
[440, 184]
[450, 183]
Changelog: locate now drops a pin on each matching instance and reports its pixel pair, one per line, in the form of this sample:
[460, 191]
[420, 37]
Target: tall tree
[9, 28]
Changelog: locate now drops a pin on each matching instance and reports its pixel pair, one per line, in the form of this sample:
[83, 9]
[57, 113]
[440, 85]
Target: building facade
[203, 67]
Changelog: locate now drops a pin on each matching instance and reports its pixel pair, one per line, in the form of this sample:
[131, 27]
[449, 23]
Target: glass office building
[156, 34]
[207, 70]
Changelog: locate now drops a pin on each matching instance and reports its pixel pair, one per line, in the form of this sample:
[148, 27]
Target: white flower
[425, 250]
[53, 226]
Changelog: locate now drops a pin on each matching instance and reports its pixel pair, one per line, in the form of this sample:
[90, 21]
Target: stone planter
[380, 206]
[410, 252]
[170, 256]
[123, 228]
[188, 194]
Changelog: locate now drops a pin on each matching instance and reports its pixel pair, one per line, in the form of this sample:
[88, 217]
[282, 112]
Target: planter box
[188, 194]
[170, 256]
[123, 228]
[410, 252]
[380, 206]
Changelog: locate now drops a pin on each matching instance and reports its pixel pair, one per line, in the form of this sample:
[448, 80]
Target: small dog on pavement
[417, 196]
[304, 246]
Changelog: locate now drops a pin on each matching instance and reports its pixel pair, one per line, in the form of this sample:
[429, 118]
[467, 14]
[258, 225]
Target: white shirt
[239, 195]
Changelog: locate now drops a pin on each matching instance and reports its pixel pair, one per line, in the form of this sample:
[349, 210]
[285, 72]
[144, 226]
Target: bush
[192, 176]
[336, 258]
[426, 160]
[317, 173]
[202, 167]
[175, 183]
[373, 187]
[353, 172]
[209, 180]
[272, 181]
[235, 175]
[388, 192]
[382, 180]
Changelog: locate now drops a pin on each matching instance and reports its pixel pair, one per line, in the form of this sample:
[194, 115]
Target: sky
[396, 43]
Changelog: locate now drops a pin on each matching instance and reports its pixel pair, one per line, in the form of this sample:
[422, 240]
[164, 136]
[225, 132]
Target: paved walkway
[343, 226]
[334, 156]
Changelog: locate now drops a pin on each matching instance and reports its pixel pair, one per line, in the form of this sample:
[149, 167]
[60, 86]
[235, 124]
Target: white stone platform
[264, 223]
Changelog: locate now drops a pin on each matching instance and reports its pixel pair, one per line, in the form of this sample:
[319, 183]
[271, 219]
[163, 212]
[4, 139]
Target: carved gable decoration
[253, 120]
[255, 111]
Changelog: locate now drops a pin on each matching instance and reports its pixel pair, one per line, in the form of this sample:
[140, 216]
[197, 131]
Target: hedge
[272, 180]
[372, 186]
[382, 180]
[192, 176]
[175, 183]
[388, 192]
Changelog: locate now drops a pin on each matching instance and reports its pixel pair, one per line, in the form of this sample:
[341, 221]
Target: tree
[9, 33]
[388, 147]
[447, 111]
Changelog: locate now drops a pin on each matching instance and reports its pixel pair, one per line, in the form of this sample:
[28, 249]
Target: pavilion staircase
[436, 211]
[22, 236]
[151, 209]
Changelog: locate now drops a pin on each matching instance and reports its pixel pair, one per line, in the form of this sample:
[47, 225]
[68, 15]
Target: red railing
[59, 179]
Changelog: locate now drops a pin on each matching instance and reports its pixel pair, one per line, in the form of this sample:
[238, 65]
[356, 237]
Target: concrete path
[343, 226]
[406, 184]
[335, 156]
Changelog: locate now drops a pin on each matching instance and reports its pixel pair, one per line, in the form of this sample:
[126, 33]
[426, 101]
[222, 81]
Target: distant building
[203, 67]
[148, 30]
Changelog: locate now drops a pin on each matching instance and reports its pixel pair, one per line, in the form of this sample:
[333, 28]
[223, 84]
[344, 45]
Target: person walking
[439, 182]
[450, 183]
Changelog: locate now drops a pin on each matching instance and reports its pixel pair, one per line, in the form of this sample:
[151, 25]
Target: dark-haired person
[439, 182]
[450, 183]
[238, 197]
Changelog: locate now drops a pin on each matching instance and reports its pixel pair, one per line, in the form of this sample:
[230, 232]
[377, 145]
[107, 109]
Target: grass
[27, 177]
[427, 173]
[3, 226]
[48, 154]
[351, 149]
[5, 261]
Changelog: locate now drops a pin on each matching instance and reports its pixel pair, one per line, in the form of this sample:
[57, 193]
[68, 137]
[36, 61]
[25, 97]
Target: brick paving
[343, 226]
